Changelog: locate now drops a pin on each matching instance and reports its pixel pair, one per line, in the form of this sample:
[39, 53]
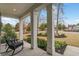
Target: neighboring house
[73, 27]
[70, 27]
[76, 28]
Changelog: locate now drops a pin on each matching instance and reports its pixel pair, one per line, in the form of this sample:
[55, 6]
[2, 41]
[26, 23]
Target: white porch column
[34, 18]
[21, 29]
[50, 30]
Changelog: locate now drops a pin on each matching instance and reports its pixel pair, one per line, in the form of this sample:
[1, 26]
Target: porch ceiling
[14, 10]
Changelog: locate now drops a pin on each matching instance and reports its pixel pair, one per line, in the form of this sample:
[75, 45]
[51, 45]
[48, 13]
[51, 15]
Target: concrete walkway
[71, 51]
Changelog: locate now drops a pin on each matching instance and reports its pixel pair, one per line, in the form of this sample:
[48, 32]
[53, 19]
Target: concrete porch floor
[27, 51]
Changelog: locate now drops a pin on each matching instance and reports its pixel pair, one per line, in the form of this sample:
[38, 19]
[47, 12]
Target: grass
[71, 39]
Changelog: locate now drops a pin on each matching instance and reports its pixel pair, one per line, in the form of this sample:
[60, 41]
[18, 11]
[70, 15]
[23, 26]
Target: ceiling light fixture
[14, 9]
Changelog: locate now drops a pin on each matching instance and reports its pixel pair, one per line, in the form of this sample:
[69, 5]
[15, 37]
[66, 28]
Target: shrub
[9, 33]
[60, 44]
[42, 34]
[43, 26]
[3, 38]
[28, 40]
[43, 44]
[61, 36]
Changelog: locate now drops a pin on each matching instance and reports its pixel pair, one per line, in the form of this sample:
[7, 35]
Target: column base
[33, 47]
[50, 51]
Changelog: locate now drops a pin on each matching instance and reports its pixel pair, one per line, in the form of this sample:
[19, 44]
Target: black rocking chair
[13, 44]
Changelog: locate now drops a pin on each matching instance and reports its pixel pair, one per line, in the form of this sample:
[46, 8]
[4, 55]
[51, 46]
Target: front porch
[20, 11]
[27, 51]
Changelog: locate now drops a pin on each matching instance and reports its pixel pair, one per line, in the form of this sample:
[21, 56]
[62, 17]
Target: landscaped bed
[60, 36]
[59, 45]
[71, 38]
[42, 34]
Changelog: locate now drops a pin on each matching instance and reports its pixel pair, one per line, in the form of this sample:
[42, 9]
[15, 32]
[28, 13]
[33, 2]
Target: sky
[12, 21]
[71, 15]
[42, 17]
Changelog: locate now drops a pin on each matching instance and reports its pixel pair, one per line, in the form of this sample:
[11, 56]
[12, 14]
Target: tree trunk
[58, 9]
[0, 31]
[0, 24]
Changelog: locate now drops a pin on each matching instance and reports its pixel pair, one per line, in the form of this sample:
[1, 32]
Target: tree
[77, 23]
[7, 28]
[17, 27]
[43, 26]
[9, 31]
[28, 28]
[0, 27]
[59, 10]
[61, 26]
[0, 24]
